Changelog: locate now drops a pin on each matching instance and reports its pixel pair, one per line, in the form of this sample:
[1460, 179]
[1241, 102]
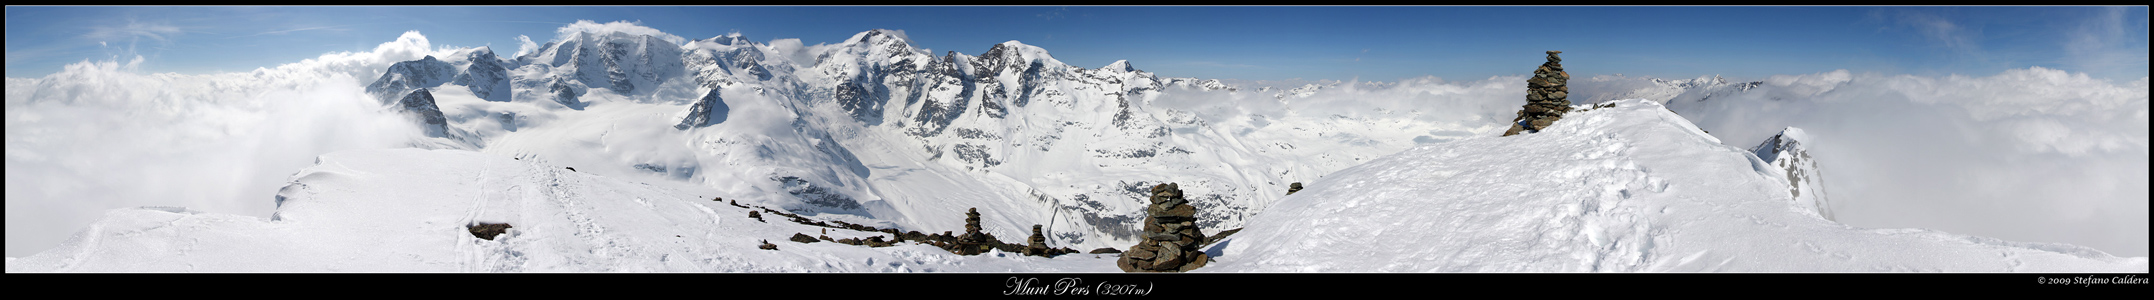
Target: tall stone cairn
[1170, 235]
[973, 242]
[1545, 97]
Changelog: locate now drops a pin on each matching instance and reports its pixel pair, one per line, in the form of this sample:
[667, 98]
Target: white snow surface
[405, 210]
[1633, 188]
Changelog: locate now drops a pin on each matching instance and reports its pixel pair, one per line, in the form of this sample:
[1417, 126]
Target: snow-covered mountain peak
[1119, 66]
[624, 62]
[729, 39]
[587, 28]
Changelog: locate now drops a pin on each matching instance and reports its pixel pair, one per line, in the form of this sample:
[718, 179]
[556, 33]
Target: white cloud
[102, 135]
[2102, 44]
[524, 45]
[1940, 30]
[2031, 154]
[133, 30]
[132, 33]
[633, 28]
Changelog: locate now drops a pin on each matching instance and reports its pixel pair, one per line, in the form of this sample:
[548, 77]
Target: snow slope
[404, 210]
[1632, 188]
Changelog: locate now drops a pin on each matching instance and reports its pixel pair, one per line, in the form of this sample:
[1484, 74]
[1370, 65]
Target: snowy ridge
[1805, 179]
[1632, 188]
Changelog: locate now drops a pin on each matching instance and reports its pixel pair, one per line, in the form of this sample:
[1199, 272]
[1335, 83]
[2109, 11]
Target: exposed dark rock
[877, 241]
[803, 238]
[1221, 236]
[1545, 97]
[756, 216]
[767, 246]
[486, 77]
[413, 74]
[1291, 188]
[565, 94]
[1106, 250]
[420, 104]
[489, 230]
[711, 109]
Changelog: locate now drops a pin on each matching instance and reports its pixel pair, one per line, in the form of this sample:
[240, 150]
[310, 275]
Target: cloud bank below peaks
[631, 28]
[102, 135]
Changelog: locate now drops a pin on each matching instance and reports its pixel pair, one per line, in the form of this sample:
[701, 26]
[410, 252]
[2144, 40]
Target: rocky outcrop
[1170, 236]
[489, 230]
[709, 110]
[1291, 188]
[1209, 240]
[757, 216]
[407, 75]
[1546, 97]
[486, 77]
[565, 94]
[767, 246]
[1805, 179]
[1105, 251]
[420, 104]
[803, 238]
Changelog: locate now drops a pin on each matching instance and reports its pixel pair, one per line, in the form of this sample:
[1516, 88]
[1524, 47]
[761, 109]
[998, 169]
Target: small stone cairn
[974, 241]
[1545, 97]
[1170, 236]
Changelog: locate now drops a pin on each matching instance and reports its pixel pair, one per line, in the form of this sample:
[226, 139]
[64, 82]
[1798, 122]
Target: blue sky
[1255, 43]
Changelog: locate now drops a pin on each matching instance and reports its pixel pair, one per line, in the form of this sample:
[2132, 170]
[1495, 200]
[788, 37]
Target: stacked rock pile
[1170, 235]
[1037, 244]
[974, 241]
[1545, 97]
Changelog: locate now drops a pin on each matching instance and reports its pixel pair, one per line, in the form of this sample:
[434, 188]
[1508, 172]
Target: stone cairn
[1545, 97]
[1170, 236]
[973, 242]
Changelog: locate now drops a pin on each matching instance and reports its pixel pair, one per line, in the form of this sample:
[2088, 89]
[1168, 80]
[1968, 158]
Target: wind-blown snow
[1632, 188]
[2030, 155]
